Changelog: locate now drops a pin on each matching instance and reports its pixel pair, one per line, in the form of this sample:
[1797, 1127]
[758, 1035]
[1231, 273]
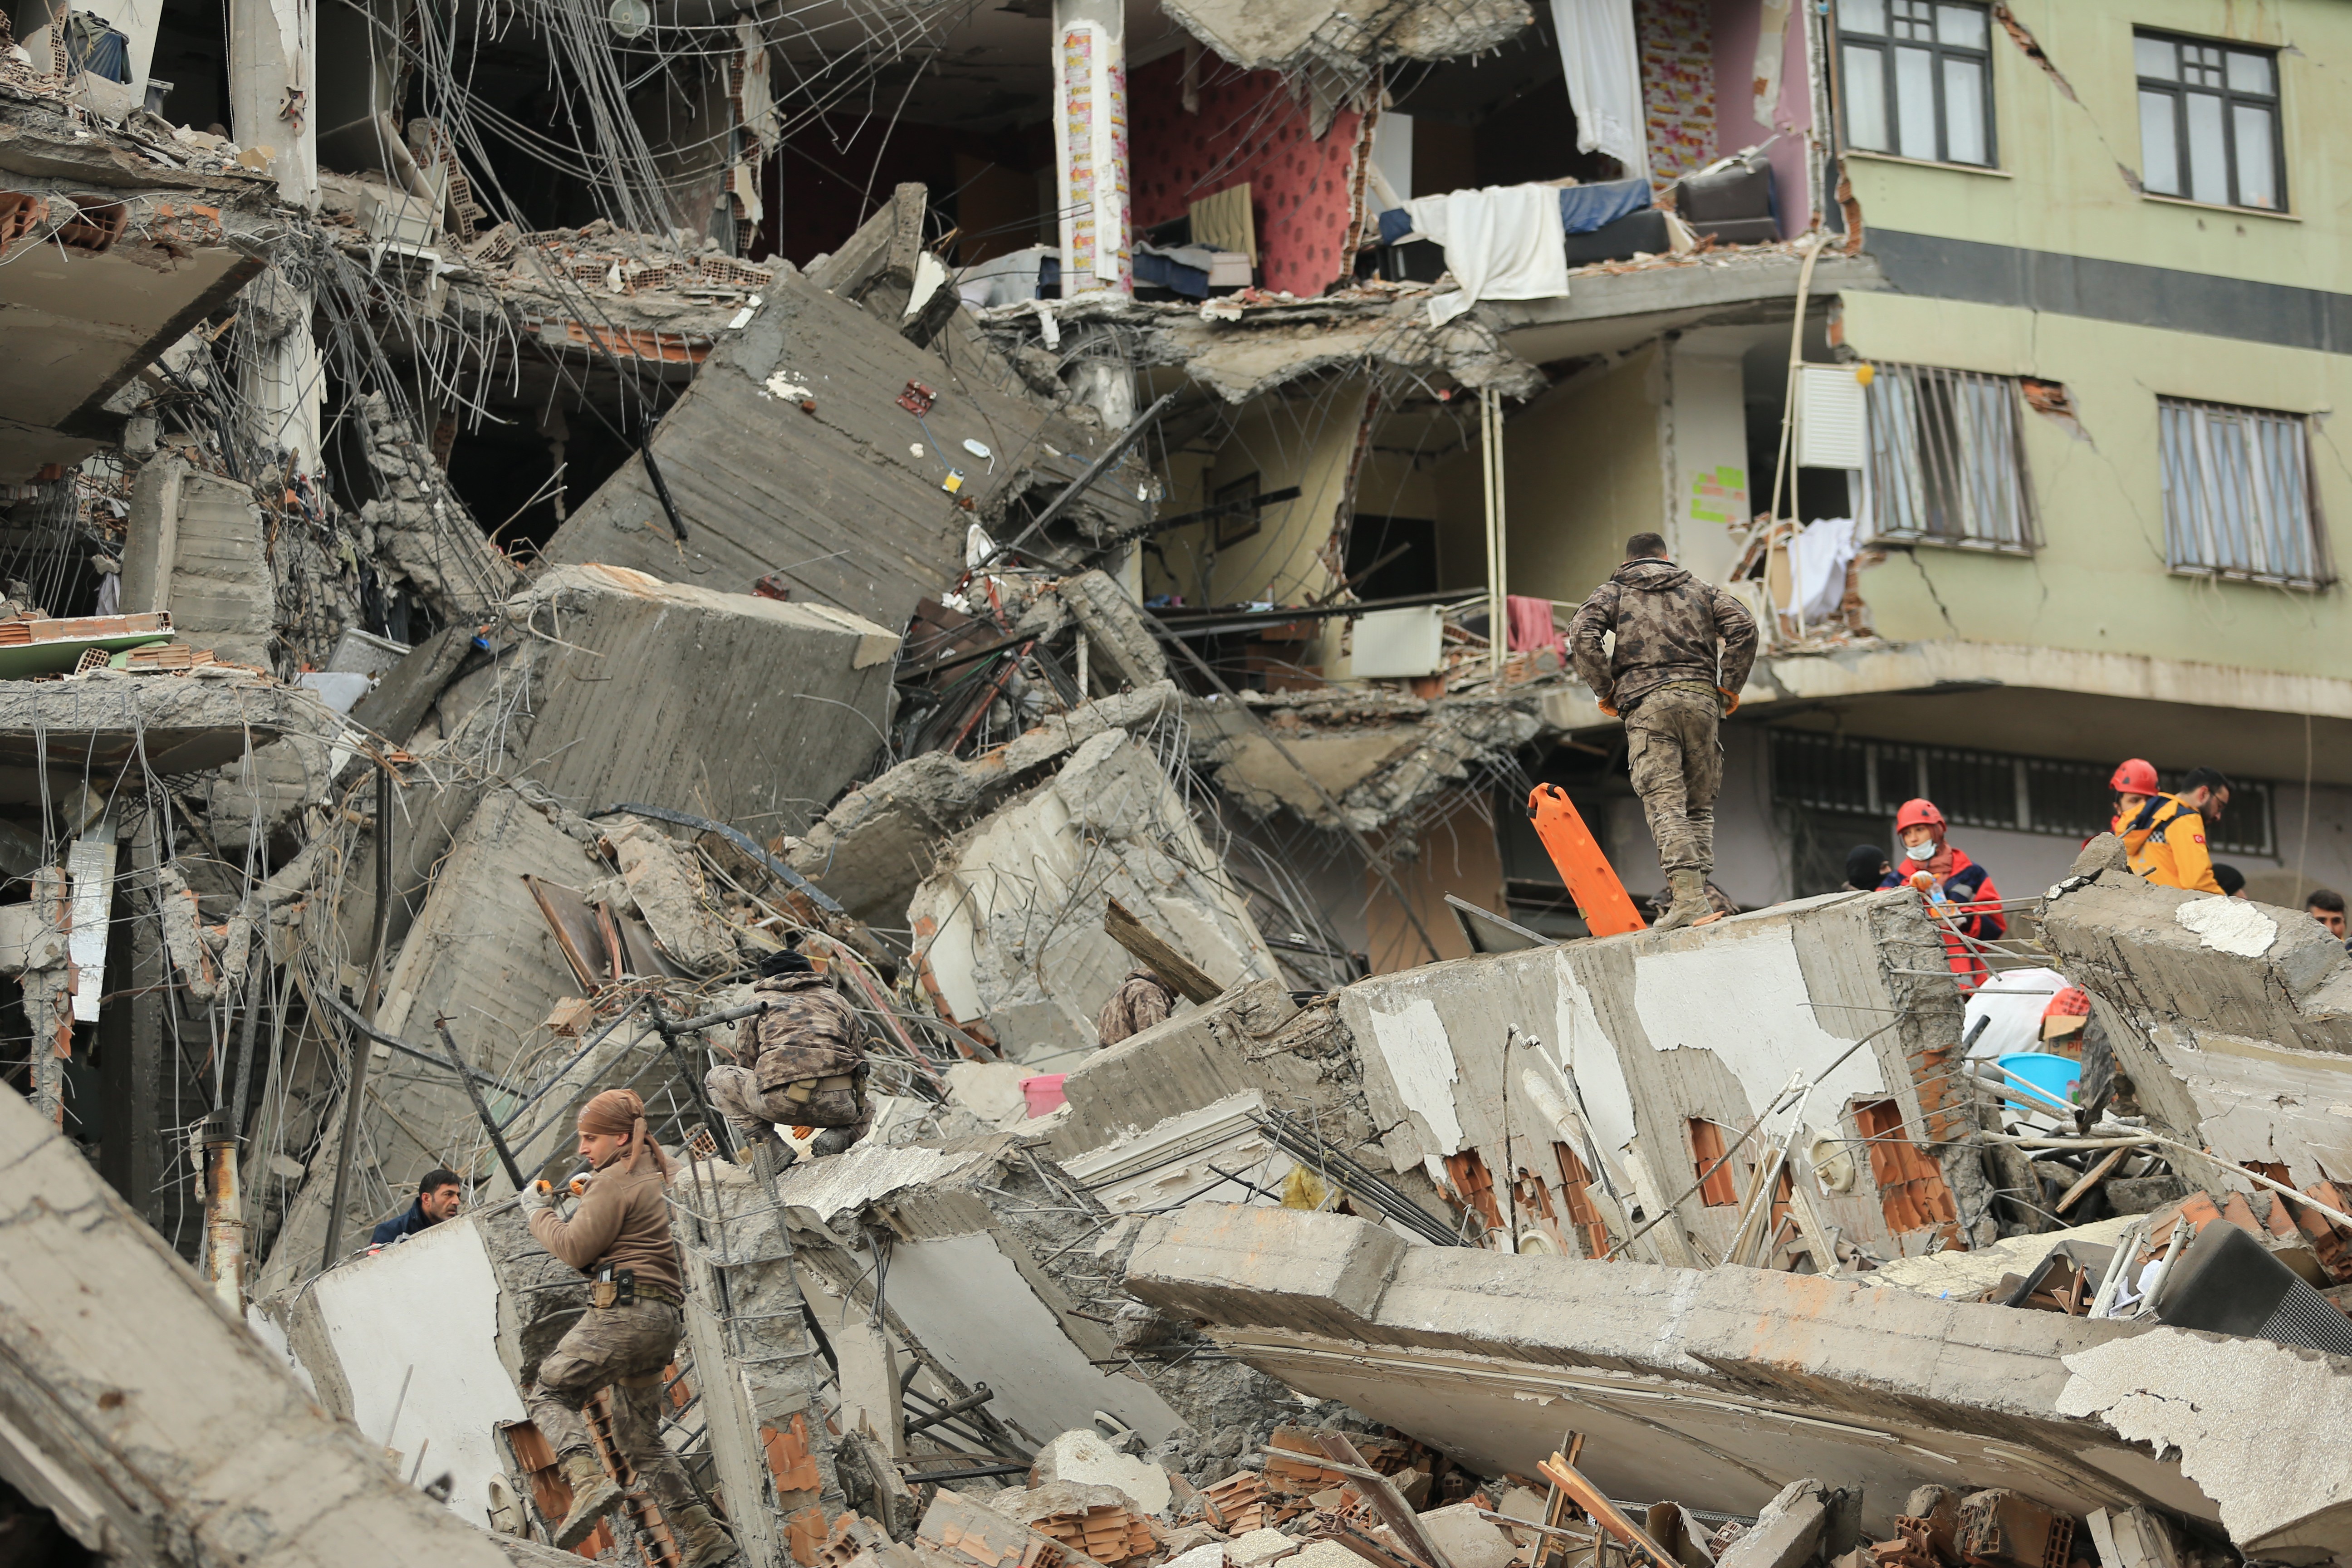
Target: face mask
[1921, 851]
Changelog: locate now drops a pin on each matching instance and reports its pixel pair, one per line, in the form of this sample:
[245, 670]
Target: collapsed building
[518, 516]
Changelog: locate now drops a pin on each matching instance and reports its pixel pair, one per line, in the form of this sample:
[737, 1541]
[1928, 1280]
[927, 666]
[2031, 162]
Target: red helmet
[2135, 777]
[1920, 814]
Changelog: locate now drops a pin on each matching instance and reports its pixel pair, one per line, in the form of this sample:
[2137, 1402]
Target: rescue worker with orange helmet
[1960, 892]
[2164, 834]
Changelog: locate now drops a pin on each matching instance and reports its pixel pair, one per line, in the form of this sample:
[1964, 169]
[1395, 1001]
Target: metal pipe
[982, 1394]
[474, 1093]
[355, 1086]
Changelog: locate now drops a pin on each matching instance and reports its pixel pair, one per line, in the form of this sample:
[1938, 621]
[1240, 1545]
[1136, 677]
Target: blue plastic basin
[2051, 1077]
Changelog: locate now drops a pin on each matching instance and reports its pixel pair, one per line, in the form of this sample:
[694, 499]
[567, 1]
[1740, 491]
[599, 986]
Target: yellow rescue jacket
[2166, 842]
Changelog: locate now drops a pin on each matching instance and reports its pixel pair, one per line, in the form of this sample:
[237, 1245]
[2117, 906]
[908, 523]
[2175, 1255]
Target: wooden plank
[1394, 1511]
[2091, 1178]
[1606, 1514]
[1182, 975]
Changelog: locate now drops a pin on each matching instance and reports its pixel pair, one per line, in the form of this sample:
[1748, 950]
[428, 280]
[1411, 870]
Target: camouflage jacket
[1669, 626]
[1141, 1000]
[807, 1033]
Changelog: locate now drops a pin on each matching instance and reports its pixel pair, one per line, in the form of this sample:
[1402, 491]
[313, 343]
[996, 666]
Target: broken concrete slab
[1381, 755]
[643, 690]
[1083, 1458]
[2200, 1400]
[196, 548]
[2226, 965]
[992, 1231]
[1788, 1532]
[1736, 1381]
[155, 1427]
[103, 724]
[1468, 1537]
[1012, 925]
[793, 425]
[1241, 352]
[880, 840]
[1114, 630]
[1482, 1070]
[666, 888]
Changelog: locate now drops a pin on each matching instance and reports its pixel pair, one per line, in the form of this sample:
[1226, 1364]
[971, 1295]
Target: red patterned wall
[1299, 185]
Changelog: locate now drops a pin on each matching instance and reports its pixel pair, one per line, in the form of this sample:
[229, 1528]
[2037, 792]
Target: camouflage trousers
[625, 1348]
[735, 1091]
[1679, 770]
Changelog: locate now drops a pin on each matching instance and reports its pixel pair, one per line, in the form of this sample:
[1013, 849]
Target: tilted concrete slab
[1715, 1389]
[1012, 925]
[77, 325]
[161, 1432]
[790, 454]
[99, 725]
[880, 840]
[664, 694]
[2232, 1019]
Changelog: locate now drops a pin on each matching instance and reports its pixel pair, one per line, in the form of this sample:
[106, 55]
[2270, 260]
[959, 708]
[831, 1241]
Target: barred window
[1849, 777]
[1947, 458]
[2238, 498]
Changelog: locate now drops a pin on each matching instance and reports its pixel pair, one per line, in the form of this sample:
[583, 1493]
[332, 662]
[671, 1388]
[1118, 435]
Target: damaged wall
[2232, 1019]
[1028, 887]
[1246, 128]
[1672, 1044]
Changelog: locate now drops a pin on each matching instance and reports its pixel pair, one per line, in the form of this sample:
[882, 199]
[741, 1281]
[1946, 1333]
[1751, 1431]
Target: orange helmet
[2135, 777]
[1920, 814]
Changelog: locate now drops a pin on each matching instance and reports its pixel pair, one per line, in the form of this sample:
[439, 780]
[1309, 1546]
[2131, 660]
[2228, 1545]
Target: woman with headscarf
[1958, 892]
[619, 1238]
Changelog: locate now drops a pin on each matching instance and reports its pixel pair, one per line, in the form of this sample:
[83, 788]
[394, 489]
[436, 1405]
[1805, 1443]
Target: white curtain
[1603, 66]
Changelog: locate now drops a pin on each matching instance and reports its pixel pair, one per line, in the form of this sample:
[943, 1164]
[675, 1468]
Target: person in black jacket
[438, 1198]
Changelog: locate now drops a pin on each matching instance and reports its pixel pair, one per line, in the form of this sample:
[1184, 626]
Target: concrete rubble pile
[356, 844]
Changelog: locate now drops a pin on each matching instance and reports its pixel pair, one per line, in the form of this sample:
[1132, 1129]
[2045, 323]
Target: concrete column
[272, 95]
[137, 1156]
[1090, 145]
[272, 75]
[286, 385]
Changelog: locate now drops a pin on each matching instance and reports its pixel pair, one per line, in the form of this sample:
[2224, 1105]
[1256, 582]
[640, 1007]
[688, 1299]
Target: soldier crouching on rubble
[799, 1064]
[618, 1236]
[1141, 1001]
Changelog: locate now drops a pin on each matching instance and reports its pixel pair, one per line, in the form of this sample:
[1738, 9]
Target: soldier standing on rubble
[619, 1237]
[1683, 651]
[798, 1064]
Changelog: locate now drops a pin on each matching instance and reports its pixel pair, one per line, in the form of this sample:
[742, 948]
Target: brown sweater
[623, 1218]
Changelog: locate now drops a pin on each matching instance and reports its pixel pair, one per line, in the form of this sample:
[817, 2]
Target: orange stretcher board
[1591, 880]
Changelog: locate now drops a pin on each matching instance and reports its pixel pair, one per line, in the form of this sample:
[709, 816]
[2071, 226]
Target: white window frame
[2240, 502]
[1948, 461]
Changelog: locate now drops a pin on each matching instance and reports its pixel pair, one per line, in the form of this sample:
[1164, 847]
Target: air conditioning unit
[1833, 429]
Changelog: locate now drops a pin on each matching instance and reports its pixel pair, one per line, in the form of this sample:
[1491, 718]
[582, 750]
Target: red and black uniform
[1976, 905]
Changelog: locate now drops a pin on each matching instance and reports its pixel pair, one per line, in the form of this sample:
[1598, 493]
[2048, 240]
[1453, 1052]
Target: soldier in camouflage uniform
[1141, 1000]
[801, 1062]
[1682, 652]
